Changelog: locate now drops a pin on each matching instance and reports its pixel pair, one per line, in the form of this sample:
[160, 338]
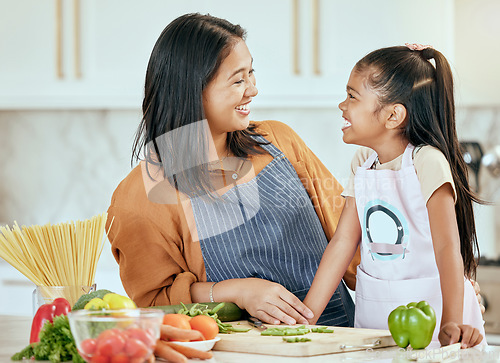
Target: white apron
[398, 265]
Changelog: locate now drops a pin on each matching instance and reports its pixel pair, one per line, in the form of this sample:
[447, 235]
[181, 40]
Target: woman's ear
[397, 115]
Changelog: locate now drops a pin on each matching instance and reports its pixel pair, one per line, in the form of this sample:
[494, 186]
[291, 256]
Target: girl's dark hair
[185, 58]
[405, 76]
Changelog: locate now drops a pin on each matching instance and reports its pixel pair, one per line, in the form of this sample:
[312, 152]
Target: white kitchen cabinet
[100, 61]
[330, 36]
[106, 45]
[27, 51]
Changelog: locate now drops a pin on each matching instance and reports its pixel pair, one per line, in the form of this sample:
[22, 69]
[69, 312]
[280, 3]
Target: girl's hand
[451, 333]
[477, 290]
[271, 302]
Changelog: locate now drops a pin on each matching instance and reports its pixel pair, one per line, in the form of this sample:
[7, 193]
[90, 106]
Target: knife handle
[255, 321]
[372, 345]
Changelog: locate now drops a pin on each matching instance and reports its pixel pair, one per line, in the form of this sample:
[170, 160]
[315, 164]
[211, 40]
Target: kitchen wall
[64, 165]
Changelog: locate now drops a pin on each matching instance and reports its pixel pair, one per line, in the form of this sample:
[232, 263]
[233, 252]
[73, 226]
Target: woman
[221, 209]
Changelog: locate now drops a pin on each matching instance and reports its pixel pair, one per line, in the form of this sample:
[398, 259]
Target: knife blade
[255, 322]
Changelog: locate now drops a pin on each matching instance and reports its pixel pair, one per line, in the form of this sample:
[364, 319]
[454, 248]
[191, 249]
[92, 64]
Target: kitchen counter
[14, 336]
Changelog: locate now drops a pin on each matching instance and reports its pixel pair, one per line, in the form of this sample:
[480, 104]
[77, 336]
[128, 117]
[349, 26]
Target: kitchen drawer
[489, 281]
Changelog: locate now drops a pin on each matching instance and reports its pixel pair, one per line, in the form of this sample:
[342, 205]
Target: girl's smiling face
[363, 119]
[226, 99]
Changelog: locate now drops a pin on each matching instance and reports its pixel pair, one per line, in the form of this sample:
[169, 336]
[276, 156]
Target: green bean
[296, 340]
[322, 329]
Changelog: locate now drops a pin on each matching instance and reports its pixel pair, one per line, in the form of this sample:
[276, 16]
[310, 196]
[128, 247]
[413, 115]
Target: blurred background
[71, 87]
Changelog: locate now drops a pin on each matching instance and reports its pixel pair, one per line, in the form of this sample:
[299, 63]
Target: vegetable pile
[219, 312]
[51, 337]
[184, 328]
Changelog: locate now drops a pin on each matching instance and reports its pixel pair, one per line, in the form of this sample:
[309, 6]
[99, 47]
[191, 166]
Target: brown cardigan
[153, 246]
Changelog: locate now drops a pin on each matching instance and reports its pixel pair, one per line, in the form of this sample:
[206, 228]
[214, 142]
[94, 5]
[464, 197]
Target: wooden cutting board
[341, 340]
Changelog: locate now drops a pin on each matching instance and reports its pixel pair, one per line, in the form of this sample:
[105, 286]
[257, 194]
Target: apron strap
[407, 156]
[369, 162]
[268, 146]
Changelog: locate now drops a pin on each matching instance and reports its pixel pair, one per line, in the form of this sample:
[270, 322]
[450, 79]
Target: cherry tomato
[120, 358]
[206, 325]
[109, 332]
[136, 349]
[100, 359]
[142, 335]
[110, 343]
[88, 346]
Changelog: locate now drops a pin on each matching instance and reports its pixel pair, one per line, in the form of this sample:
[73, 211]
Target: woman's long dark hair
[405, 76]
[185, 58]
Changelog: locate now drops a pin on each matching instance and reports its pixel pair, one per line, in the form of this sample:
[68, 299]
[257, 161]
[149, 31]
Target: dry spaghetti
[64, 254]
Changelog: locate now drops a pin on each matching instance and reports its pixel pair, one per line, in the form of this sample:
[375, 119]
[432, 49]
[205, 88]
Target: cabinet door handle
[59, 39]
[315, 40]
[295, 37]
[76, 34]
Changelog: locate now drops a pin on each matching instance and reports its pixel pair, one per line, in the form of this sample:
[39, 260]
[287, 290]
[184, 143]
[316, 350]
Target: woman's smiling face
[226, 99]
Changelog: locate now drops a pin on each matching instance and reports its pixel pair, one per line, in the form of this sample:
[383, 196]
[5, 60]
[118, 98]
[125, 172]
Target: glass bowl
[130, 334]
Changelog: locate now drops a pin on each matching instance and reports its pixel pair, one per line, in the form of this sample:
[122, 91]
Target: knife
[256, 323]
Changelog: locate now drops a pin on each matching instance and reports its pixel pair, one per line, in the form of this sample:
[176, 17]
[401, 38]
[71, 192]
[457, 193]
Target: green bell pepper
[412, 324]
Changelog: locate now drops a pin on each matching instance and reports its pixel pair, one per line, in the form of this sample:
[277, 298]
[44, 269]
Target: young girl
[408, 202]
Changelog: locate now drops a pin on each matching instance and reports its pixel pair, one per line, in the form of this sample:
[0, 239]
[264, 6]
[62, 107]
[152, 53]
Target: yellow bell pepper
[96, 304]
[116, 301]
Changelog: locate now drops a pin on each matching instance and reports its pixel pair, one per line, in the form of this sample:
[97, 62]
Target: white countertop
[14, 336]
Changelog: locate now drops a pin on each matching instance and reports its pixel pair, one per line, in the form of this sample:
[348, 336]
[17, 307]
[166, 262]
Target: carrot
[164, 351]
[189, 352]
[168, 332]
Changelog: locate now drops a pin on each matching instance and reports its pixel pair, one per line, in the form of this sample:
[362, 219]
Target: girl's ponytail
[445, 112]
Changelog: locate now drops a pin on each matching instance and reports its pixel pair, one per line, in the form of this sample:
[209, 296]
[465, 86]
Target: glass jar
[47, 294]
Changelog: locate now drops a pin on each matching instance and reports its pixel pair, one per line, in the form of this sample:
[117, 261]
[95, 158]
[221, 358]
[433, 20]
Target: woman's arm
[446, 241]
[266, 300]
[153, 269]
[336, 258]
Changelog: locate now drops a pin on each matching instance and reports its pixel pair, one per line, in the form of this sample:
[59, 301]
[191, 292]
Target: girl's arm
[336, 258]
[446, 241]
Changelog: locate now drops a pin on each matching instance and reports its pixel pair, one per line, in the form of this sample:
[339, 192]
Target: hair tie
[416, 46]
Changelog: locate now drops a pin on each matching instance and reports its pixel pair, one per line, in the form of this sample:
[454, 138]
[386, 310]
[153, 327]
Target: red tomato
[136, 349]
[206, 325]
[88, 346]
[100, 359]
[110, 343]
[120, 358]
[142, 335]
[177, 320]
[180, 321]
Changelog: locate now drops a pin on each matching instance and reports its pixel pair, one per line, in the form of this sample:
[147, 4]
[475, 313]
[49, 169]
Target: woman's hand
[270, 302]
[451, 333]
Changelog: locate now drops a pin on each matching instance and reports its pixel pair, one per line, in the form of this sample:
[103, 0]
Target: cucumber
[229, 312]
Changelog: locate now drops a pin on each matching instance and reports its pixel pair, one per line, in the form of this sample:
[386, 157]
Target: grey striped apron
[268, 228]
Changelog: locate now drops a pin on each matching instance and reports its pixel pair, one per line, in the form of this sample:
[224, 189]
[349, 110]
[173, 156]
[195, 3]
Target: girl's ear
[397, 115]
